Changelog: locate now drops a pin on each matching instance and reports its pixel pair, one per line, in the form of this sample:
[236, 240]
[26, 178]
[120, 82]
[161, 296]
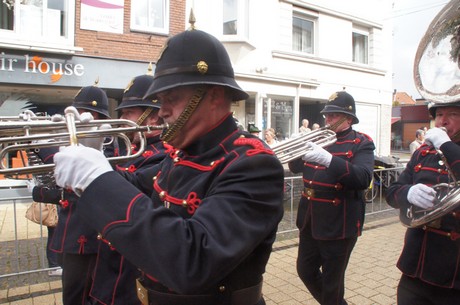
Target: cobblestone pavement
[371, 277]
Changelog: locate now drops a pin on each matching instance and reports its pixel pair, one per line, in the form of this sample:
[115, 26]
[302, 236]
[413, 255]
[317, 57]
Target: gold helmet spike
[96, 82]
[191, 20]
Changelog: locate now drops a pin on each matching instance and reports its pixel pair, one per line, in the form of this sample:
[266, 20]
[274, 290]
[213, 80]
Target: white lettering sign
[37, 64]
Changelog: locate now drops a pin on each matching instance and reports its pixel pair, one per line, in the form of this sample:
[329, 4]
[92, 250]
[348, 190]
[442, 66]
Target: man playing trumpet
[430, 259]
[331, 209]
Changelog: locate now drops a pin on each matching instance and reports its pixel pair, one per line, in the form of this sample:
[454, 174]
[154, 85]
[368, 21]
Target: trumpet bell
[294, 148]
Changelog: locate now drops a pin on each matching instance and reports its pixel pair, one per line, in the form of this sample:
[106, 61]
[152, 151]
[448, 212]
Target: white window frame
[310, 17]
[242, 20]
[357, 58]
[20, 36]
[151, 29]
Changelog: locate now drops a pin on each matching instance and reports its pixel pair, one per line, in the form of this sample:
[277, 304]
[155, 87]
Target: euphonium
[436, 70]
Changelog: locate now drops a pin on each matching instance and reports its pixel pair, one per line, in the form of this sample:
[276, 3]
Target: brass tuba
[437, 78]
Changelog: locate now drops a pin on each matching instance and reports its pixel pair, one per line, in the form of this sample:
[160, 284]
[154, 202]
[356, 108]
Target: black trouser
[53, 257]
[76, 277]
[321, 266]
[413, 291]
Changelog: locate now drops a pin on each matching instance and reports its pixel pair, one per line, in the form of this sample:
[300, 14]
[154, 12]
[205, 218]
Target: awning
[394, 120]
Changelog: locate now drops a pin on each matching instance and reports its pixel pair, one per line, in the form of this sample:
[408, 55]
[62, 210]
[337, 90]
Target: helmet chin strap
[336, 125]
[173, 130]
[144, 115]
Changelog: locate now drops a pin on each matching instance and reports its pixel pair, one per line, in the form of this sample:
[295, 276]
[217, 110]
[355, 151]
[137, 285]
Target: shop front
[48, 82]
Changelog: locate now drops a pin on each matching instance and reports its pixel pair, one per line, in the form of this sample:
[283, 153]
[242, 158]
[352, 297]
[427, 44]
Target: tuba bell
[437, 78]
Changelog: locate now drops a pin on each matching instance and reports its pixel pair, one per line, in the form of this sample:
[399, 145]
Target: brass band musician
[331, 210]
[430, 259]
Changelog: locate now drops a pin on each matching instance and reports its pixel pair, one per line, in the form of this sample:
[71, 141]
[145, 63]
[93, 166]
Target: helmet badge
[202, 67]
[333, 97]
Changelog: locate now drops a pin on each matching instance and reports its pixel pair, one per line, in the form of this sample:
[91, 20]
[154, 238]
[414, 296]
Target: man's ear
[217, 93]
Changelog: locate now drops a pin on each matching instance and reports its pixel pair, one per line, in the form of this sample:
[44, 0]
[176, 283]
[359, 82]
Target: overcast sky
[411, 19]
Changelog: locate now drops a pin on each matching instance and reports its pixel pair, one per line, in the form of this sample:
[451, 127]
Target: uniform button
[184, 203]
[99, 236]
[222, 288]
[176, 159]
[162, 195]
[154, 178]
[212, 163]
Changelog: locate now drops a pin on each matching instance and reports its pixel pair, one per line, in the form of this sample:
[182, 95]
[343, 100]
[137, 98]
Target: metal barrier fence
[23, 243]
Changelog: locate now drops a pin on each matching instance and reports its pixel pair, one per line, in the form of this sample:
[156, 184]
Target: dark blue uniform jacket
[211, 218]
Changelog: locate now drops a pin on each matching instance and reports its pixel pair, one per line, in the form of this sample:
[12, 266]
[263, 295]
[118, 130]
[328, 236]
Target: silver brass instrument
[437, 78]
[437, 58]
[294, 148]
[25, 135]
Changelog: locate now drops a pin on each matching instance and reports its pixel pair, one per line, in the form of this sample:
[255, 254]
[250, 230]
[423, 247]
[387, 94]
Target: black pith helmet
[341, 102]
[194, 57]
[92, 98]
[433, 106]
[135, 92]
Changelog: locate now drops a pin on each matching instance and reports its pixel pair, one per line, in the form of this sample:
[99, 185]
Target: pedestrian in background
[270, 137]
[419, 140]
[304, 128]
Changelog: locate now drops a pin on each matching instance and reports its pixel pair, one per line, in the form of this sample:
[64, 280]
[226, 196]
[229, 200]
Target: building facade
[49, 49]
[291, 55]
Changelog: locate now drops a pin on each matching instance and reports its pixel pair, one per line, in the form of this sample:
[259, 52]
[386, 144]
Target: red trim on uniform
[336, 186]
[199, 167]
[128, 212]
[348, 154]
[258, 146]
[192, 202]
[64, 203]
[335, 201]
[82, 240]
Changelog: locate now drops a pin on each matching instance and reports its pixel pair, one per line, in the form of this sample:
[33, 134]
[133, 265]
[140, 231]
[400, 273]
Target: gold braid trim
[172, 131]
[338, 123]
[144, 115]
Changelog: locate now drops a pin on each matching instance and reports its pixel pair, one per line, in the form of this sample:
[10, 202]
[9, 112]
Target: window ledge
[328, 62]
[42, 48]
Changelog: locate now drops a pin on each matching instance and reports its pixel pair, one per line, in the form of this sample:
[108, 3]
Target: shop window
[303, 34]
[234, 16]
[151, 16]
[360, 47]
[37, 21]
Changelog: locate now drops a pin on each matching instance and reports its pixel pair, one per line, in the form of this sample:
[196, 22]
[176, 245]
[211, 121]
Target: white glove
[437, 137]
[78, 166]
[96, 142]
[30, 185]
[85, 117]
[421, 195]
[57, 118]
[317, 154]
[27, 114]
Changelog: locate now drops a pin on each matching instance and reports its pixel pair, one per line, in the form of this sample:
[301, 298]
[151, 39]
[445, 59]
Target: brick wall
[129, 45]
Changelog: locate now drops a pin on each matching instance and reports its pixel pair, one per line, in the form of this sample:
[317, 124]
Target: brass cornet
[294, 148]
[35, 133]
